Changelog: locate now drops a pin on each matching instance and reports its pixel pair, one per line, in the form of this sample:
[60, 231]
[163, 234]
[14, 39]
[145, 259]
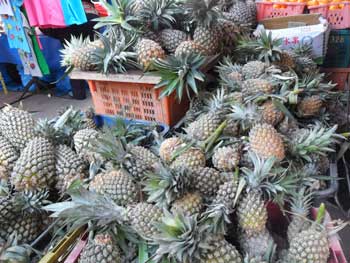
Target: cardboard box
[309, 29]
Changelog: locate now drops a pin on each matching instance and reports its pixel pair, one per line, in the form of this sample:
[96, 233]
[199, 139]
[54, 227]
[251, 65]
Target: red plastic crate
[100, 10]
[338, 18]
[266, 10]
[338, 75]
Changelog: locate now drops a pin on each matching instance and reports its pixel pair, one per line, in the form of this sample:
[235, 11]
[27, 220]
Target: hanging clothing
[14, 28]
[73, 11]
[29, 60]
[44, 13]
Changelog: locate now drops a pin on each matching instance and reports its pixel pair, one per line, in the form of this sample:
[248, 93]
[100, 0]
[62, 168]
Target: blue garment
[73, 12]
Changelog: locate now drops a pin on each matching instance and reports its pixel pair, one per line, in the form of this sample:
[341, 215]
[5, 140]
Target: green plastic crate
[338, 52]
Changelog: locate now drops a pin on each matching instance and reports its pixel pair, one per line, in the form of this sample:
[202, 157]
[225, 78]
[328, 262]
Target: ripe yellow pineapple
[116, 184]
[310, 106]
[101, 249]
[147, 50]
[227, 158]
[256, 86]
[189, 204]
[265, 141]
[207, 181]
[271, 114]
[189, 47]
[191, 159]
[167, 148]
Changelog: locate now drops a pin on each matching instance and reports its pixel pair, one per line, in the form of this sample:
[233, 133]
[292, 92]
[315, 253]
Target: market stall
[222, 140]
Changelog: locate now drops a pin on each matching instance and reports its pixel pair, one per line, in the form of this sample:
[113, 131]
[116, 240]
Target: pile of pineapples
[138, 32]
[260, 134]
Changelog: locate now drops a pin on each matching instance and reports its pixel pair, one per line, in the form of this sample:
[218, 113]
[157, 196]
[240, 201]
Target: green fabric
[40, 57]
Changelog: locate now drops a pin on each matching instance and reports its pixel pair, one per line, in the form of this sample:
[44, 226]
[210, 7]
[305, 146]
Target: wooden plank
[131, 76]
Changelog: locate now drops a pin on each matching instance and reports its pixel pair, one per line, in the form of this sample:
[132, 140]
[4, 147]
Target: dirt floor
[44, 106]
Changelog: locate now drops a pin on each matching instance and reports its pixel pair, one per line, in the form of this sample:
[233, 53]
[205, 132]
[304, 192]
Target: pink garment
[45, 13]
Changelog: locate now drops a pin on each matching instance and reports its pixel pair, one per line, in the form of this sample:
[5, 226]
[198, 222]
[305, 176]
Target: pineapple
[190, 203]
[264, 48]
[309, 246]
[82, 143]
[286, 60]
[144, 217]
[253, 87]
[300, 206]
[265, 141]
[204, 126]
[156, 15]
[101, 249]
[310, 106]
[26, 226]
[226, 158]
[35, 168]
[117, 185]
[228, 32]
[221, 251]
[191, 159]
[252, 214]
[305, 64]
[208, 123]
[170, 39]
[187, 239]
[81, 53]
[167, 148]
[207, 181]
[271, 114]
[257, 244]
[148, 50]
[7, 209]
[195, 109]
[17, 126]
[88, 121]
[251, 210]
[189, 47]
[68, 165]
[136, 160]
[226, 194]
[8, 157]
[205, 15]
[240, 13]
[254, 69]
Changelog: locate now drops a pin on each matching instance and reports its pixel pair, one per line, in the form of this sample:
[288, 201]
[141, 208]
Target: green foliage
[179, 74]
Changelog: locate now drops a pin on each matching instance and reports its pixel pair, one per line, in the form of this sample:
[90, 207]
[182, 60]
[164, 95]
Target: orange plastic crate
[133, 96]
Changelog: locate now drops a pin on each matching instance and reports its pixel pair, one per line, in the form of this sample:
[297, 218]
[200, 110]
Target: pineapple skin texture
[266, 142]
[189, 204]
[35, 168]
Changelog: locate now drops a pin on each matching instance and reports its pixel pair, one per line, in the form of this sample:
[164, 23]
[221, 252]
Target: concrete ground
[44, 106]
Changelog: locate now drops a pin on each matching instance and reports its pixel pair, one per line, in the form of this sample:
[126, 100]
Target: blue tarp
[51, 53]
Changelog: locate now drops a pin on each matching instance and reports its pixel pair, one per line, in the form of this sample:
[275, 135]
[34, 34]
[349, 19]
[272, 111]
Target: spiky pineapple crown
[204, 12]
[182, 238]
[179, 74]
[247, 115]
[265, 47]
[316, 140]
[31, 202]
[120, 14]
[164, 185]
[88, 207]
[267, 178]
[157, 15]
[301, 202]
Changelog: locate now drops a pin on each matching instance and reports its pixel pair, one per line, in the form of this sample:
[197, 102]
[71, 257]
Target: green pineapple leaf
[179, 74]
